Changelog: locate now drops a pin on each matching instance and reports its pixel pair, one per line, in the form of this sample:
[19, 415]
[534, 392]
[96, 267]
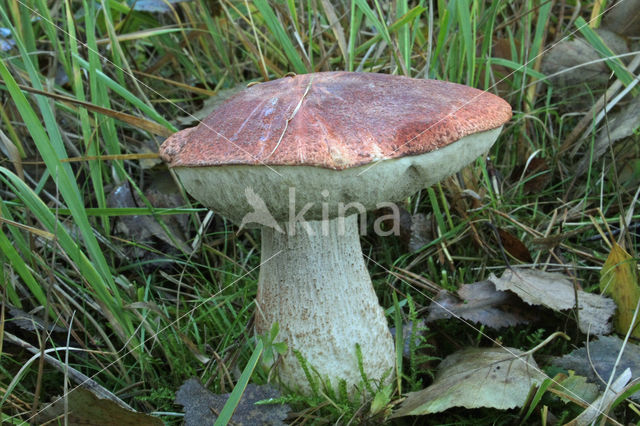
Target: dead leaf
[618, 278]
[564, 55]
[477, 377]
[514, 246]
[11, 151]
[140, 228]
[336, 26]
[87, 409]
[596, 363]
[623, 18]
[145, 147]
[622, 124]
[201, 406]
[480, 303]
[164, 193]
[535, 174]
[420, 232]
[556, 292]
[565, 63]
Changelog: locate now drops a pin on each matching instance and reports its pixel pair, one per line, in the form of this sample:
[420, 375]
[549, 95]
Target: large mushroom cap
[335, 120]
[333, 138]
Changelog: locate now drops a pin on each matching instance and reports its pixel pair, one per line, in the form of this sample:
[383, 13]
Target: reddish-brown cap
[335, 120]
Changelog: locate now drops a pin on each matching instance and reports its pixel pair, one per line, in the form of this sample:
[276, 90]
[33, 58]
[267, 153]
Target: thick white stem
[316, 287]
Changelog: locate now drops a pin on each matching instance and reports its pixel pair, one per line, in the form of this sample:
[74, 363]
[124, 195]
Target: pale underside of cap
[321, 192]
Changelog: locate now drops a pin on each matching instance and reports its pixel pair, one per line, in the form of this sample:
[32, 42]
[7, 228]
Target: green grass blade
[611, 60]
[275, 26]
[519, 68]
[238, 390]
[17, 262]
[106, 294]
[539, 35]
[435, 205]
[91, 145]
[487, 43]
[542, 389]
[128, 96]
[466, 26]
[51, 148]
[26, 31]
[354, 29]
[404, 40]
[399, 341]
[382, 29]
[443, 35]
[50, 29]
[412, 15]
[98, 92]
[219, 40]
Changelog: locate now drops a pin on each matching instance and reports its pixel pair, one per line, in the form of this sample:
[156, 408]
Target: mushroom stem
[316, 287]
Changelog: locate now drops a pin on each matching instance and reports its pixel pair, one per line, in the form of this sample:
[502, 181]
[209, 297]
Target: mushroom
[301, 157]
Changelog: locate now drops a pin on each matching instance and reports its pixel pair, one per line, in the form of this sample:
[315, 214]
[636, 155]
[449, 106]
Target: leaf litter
[502, 377]
[596, 360]
[481, 303]
[556, 292]
[201, 405]
[477, 377]
[507, 301]
[85, 408]
[162, 193]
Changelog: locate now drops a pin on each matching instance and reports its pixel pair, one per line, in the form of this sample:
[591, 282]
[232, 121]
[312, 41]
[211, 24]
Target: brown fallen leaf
[87, 409]
[514, 246]
[536, 175]
[481, 303]
[556, 292]
[476, 377]
[201, 405]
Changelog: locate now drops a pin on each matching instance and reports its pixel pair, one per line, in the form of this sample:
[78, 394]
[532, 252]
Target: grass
[150, 314]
